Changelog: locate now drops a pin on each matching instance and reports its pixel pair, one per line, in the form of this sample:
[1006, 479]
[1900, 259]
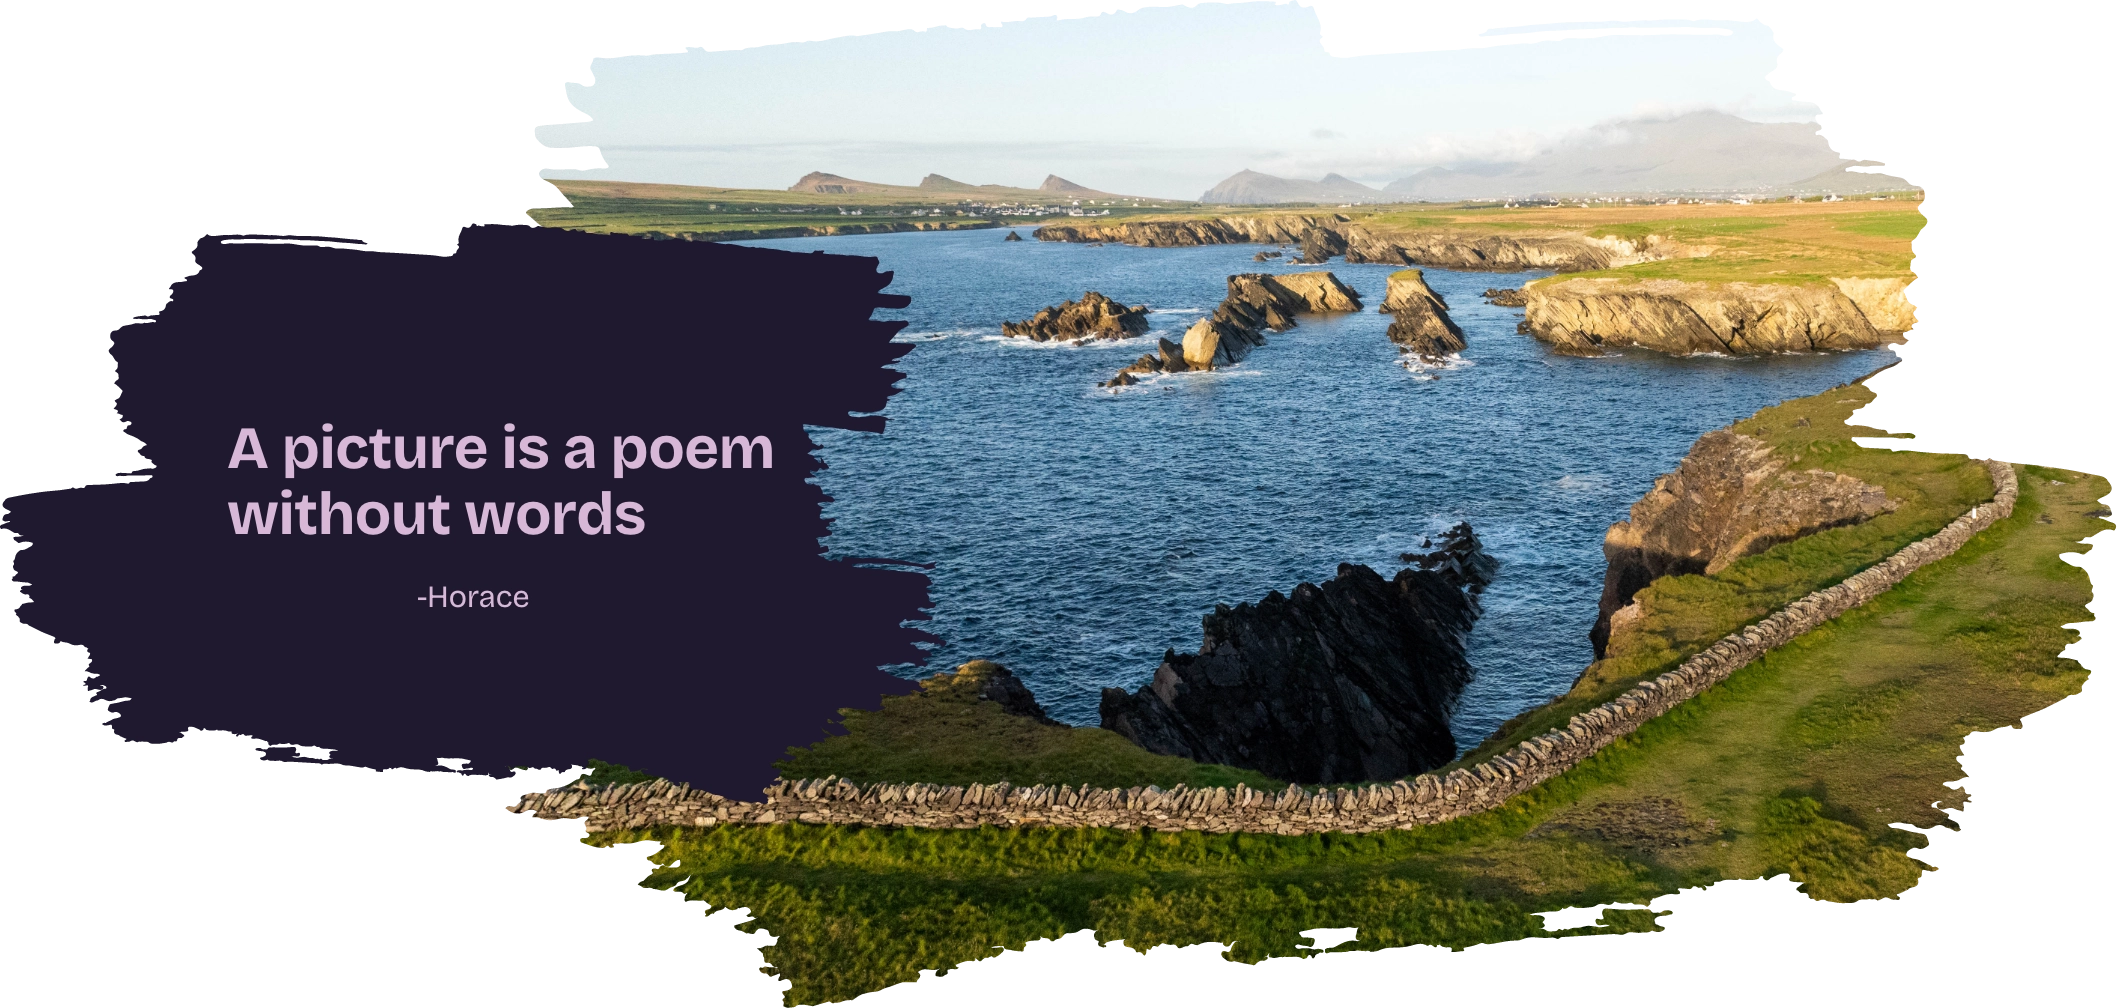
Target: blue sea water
[1077, 532]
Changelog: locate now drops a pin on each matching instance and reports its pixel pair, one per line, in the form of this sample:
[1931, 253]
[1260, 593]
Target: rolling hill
[1248, 186]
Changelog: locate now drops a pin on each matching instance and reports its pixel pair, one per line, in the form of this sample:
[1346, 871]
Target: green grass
[944, 734]
[1798, 764]
[1684, 615]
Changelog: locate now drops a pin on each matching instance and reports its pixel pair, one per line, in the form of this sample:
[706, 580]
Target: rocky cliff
[1729, 498]
[1421, 325]
[1881, 299]
[1255, 302]
[1590, 315]
[1324, 235]
[1350, 680]
[1094, 316]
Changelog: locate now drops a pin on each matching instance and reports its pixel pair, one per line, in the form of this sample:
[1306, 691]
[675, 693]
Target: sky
[1159, 102]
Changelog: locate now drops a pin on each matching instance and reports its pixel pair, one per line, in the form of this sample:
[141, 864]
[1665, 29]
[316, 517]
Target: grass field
[1797, 764]
[733, 214]
[1785, 242]
[1790, 243]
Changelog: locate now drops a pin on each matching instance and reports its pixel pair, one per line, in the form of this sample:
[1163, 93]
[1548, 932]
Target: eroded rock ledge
[1587, 316]
[1729, 498]
[1094, 316]
[1350, 680]
[1255, 302]
[1421, 325]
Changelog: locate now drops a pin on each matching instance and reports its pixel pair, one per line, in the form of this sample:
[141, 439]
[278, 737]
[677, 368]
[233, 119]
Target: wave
[1427, 369]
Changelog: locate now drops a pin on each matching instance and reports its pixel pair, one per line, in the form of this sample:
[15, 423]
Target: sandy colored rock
[1881, 299]
[1421, 325]
[1590, 315]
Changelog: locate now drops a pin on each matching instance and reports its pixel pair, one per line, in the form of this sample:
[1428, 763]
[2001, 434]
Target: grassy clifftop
[946, 734]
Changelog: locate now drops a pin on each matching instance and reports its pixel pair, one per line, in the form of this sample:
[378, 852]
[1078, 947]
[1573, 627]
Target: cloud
[1326, 134]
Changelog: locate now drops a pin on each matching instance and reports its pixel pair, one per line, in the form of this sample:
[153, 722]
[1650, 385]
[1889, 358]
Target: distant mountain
[1843, 180]
[931, 186]
[1700, 152]
[1247, 186]
[1058, 186]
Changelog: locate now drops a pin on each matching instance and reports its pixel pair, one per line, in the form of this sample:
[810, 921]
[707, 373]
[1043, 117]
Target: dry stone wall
[1397, 805]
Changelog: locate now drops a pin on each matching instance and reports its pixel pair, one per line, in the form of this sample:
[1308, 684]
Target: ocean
[1077, 533]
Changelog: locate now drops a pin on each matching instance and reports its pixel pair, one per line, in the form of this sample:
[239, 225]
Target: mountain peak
[1055, 184]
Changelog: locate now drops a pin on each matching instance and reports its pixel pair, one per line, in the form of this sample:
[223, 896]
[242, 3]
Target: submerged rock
[1262, 256]
[1731, 497]
[1350, 680]
[1092, 317]
[1505, 297]
[1460, 557]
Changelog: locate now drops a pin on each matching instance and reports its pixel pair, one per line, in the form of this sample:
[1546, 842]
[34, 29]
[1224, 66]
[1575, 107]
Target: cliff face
[1729, 498]
[1587, 316]
[1094, 316]
[1255, 302]
[1349, 680]
[1324, 235]
[1881, 299]
[1422, 325]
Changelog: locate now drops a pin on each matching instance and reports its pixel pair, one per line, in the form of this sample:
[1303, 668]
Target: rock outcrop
[1318, 244]
[1505, 297]
[1731, 497]
[1350, 680]
[1255, 302]
[1881, 299]
[1013, 236]
[1421, 325]
[1587, 316]
[1092, 317]
[983, 680]
[1460, 558]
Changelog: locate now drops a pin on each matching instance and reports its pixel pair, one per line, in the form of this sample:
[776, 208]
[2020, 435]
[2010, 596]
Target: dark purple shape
[698, 649]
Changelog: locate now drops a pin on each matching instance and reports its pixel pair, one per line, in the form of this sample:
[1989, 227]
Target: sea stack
[1094, 316]
[1013, 236]
[1421, 325]
[1255, 302]
[1350, 680]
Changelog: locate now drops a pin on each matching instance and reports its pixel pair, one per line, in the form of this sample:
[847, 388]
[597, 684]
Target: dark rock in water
[1319, 244]
[1092, 317]
[1508, 297]
[987, 680]
[1121, 379]
[1262, 256]
[1350, 680]
[1013, 236]
[1460, 557]
[1171, 355]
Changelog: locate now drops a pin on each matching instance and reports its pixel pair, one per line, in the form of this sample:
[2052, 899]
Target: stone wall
[1396, 805]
